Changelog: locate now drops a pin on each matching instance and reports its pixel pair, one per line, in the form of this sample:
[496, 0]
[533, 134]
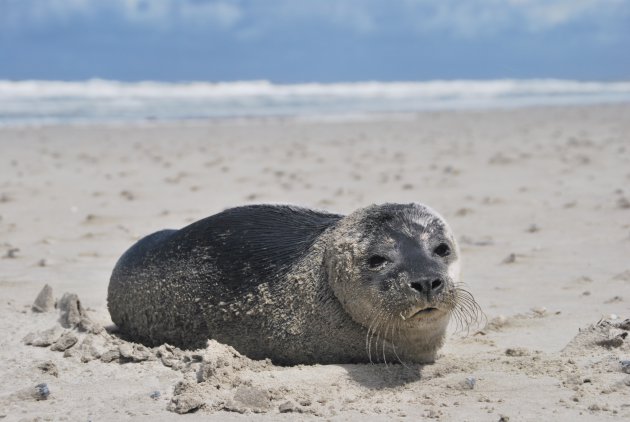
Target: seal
[297, 286]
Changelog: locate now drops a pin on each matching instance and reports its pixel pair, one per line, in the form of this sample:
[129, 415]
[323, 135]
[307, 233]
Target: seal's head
[395, 270]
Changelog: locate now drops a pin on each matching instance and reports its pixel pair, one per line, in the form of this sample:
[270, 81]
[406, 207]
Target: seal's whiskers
[465, 309]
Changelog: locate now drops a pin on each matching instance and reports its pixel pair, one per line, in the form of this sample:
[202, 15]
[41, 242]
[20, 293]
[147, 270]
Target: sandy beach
[539, 199]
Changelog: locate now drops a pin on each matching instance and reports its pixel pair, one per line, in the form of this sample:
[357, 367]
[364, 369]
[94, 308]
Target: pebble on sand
[66, 341]
[43, 338]
[517, 351]
[71, 310]
[48, 367]
[614, 342]
[249, 399]
[45, 301]
[533, 228]
[287, 407]
[623, 203]
[41, 391]
[134, 352]
[468, 383]
[511, 258]
[12, 253]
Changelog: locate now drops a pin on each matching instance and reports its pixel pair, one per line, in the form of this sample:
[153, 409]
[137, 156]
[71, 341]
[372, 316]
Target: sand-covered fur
[296, 285]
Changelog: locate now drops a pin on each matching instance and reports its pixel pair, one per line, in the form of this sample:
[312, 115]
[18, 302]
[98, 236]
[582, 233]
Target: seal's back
[162, 286]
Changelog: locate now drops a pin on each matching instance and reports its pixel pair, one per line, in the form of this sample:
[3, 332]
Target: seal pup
[296, 285]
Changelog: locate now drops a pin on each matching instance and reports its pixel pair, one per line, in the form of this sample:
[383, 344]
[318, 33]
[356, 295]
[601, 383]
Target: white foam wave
[102, 100]
[97, 88]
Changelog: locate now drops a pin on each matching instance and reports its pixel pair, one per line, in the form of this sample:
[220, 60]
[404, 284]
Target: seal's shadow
[381, 376]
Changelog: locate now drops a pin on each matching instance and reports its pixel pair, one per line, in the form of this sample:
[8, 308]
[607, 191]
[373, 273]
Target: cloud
[18, 14]
[464, 18]
[472, 18]
[541, 14]
[358, 15]
[222, 14]
[27, 13]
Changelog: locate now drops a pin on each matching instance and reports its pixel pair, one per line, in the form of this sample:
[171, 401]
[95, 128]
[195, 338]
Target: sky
[297, 41]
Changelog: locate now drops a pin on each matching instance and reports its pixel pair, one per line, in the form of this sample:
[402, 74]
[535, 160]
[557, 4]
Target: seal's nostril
[436, 284]
[417, 286]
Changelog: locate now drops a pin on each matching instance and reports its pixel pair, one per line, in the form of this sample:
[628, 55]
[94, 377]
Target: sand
[539, 199]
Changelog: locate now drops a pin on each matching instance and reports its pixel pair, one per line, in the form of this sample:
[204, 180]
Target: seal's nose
[428, 287]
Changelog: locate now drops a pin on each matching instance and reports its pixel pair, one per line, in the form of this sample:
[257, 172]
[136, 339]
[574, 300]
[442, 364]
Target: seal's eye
[442, 250]
[377, 261]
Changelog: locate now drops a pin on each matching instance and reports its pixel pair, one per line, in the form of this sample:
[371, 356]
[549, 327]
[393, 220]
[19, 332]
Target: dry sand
[539, 199]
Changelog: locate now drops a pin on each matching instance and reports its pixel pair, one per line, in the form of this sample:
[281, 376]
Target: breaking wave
[33, 102]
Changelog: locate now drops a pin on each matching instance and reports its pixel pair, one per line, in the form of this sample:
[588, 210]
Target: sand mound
[607, 334]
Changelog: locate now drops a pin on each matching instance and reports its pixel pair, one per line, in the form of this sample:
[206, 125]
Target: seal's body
[294, 285]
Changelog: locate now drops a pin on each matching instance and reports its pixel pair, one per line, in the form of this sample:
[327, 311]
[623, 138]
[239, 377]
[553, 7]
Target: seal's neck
[420, 343]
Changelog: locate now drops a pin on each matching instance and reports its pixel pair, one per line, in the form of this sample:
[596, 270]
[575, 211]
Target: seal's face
[396, 266]
[413, 263]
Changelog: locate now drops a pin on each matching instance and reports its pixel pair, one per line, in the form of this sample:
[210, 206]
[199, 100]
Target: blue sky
[289, 41]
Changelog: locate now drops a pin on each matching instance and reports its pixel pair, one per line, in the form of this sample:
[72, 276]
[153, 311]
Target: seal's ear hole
[376, 261]
[442, 250]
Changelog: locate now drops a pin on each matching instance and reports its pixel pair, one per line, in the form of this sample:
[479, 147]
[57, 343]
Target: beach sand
[538, 198]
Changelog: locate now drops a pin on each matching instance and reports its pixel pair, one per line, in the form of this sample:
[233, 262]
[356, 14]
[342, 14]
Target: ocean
[103, 101]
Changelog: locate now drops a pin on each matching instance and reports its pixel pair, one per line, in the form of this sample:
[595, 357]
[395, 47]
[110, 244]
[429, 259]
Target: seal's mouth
[423, 312]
